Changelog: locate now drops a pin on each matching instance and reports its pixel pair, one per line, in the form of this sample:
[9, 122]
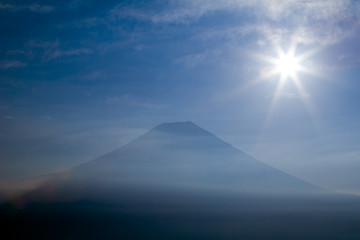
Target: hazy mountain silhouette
[182, 153]
[178, 181]
[173, 156]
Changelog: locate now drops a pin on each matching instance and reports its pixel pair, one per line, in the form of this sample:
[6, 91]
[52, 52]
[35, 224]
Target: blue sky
[81, 78]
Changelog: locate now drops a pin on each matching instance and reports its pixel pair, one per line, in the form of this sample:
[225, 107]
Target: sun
[288, 69]
[287, 65]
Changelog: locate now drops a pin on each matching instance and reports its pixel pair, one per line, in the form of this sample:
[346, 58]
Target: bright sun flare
[287, 65]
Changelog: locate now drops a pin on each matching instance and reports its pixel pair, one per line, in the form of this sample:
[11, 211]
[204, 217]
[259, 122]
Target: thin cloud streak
[6, 64]
[33, 7]
[132, 101]
[53, 50]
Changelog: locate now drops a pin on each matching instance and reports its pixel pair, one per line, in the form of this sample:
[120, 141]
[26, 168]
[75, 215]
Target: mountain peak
[172, 125]
[183, 128]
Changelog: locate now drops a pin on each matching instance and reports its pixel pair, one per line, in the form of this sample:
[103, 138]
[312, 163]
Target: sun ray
[310, 107]
[287, 65]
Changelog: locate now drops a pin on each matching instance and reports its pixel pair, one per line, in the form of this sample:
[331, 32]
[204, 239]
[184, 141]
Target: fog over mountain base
[179, 181]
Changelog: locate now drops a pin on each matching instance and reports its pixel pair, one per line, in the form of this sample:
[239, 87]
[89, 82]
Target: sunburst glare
[287, 66]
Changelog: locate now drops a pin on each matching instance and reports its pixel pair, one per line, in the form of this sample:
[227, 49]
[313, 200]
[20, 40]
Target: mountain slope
[182, 154]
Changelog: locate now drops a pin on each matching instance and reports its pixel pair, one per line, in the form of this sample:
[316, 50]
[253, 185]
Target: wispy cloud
[132, 101]
[308, 22]
[96, 75]
[89, 22]
[6, 64]
[174, 12]
[70, 52]
[33, 7]
[53, 50]
[193, 60]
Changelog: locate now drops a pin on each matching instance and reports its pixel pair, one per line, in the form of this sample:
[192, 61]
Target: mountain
[178, 181]
[176, 156]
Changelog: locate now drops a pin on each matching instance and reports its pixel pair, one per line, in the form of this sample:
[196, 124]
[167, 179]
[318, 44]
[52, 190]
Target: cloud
[76, 3]
[5, 6]
[193, 60]
[89, 22]
[320, 23]
[53, 50]
[232, 33]
[33, 7]
[6, 64]
[94, 76]
[173, 12]
[310, 22]
[70, 52]
[130, 100]
[307, 22]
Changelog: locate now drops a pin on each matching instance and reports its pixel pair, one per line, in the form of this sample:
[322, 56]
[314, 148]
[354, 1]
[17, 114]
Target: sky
[81, 78]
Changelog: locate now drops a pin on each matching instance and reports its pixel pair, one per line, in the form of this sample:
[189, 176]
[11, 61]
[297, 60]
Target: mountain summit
[183, 128]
